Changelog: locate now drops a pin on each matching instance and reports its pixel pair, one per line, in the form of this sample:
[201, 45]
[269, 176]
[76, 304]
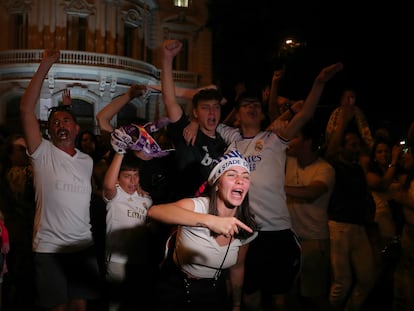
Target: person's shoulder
[84, 156]
[201, 204]
[44, 147]
[323, 166]
[182, 121]
[146, 198]
[322, 161]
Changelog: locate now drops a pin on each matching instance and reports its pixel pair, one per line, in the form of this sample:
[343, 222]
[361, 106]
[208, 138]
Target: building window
[76, 28]
[133, 34]
[181, 60]
[130, 39]
[20, 25]
[83, 111]
[181, 3]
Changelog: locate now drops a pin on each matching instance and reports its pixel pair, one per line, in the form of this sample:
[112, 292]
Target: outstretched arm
[111, 177]
[186, 93]
[308, 109]
[29, 100]
[170, 48]
[182, 213]
[106, 114]
[274, 111]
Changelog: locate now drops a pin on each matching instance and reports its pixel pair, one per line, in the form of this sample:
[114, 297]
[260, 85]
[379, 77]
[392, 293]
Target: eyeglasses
[247, 102]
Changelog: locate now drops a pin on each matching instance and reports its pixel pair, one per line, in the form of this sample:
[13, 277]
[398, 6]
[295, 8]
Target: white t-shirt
[310, 219]
[63, 195]
[124, 214]
[198, 252]
[266, 154]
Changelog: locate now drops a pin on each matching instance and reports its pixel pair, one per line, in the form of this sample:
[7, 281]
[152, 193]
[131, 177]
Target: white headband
[233, 158]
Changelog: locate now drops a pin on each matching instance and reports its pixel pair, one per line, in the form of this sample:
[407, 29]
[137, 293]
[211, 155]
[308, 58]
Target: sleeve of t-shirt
[175, 130]
[228, 133]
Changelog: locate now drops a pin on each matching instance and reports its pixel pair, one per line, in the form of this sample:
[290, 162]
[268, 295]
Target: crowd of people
[258, 209]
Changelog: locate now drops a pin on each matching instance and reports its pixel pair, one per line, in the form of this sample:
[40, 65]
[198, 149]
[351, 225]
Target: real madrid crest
[259, 146]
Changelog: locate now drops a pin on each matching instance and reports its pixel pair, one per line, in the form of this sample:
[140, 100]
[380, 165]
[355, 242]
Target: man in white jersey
[309, 182]
[273, 259]
[66, 269]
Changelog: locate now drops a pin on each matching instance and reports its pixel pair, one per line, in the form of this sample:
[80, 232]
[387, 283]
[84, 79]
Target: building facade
[106, 45]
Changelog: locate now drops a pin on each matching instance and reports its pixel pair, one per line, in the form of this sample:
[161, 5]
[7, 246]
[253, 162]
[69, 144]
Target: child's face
[129, 181]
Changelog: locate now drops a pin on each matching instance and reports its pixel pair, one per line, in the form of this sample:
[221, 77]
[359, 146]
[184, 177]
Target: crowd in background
[332, 203]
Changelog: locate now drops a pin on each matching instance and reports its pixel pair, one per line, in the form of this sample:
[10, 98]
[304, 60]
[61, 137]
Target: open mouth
[63, 134]
[211, 121]
[237, 193]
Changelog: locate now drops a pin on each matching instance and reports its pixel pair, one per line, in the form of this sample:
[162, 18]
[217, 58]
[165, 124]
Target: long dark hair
[243, 212]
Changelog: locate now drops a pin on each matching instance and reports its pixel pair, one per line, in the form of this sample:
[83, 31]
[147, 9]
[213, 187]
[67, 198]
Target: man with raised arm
[66, 268]
[193, 161]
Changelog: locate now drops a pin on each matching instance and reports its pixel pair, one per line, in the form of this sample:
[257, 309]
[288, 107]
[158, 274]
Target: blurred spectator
[309, 182]
[351, 211]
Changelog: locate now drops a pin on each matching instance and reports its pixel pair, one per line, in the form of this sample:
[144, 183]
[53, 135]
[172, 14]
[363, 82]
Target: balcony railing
[10, 57]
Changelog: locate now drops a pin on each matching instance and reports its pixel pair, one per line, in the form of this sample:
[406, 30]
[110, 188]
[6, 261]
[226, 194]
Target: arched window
[129, 114]
[84, 113]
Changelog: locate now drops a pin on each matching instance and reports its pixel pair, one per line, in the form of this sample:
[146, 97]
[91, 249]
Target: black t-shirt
[351, 201]
[192, 163]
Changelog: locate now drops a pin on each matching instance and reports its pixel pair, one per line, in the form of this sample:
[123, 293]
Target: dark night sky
[373, 41]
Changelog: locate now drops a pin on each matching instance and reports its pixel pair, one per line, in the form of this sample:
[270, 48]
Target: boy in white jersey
[126, 233]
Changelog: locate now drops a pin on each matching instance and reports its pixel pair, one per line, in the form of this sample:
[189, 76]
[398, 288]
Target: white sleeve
[228, 133]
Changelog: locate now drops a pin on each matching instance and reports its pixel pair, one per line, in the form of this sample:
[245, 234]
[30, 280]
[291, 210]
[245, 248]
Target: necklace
[216, 274]
[218, 271]
[252, 139]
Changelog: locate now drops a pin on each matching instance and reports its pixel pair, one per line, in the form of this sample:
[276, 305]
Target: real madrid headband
[233, 158]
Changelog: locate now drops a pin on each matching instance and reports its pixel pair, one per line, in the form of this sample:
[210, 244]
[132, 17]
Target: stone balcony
[93, 78]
